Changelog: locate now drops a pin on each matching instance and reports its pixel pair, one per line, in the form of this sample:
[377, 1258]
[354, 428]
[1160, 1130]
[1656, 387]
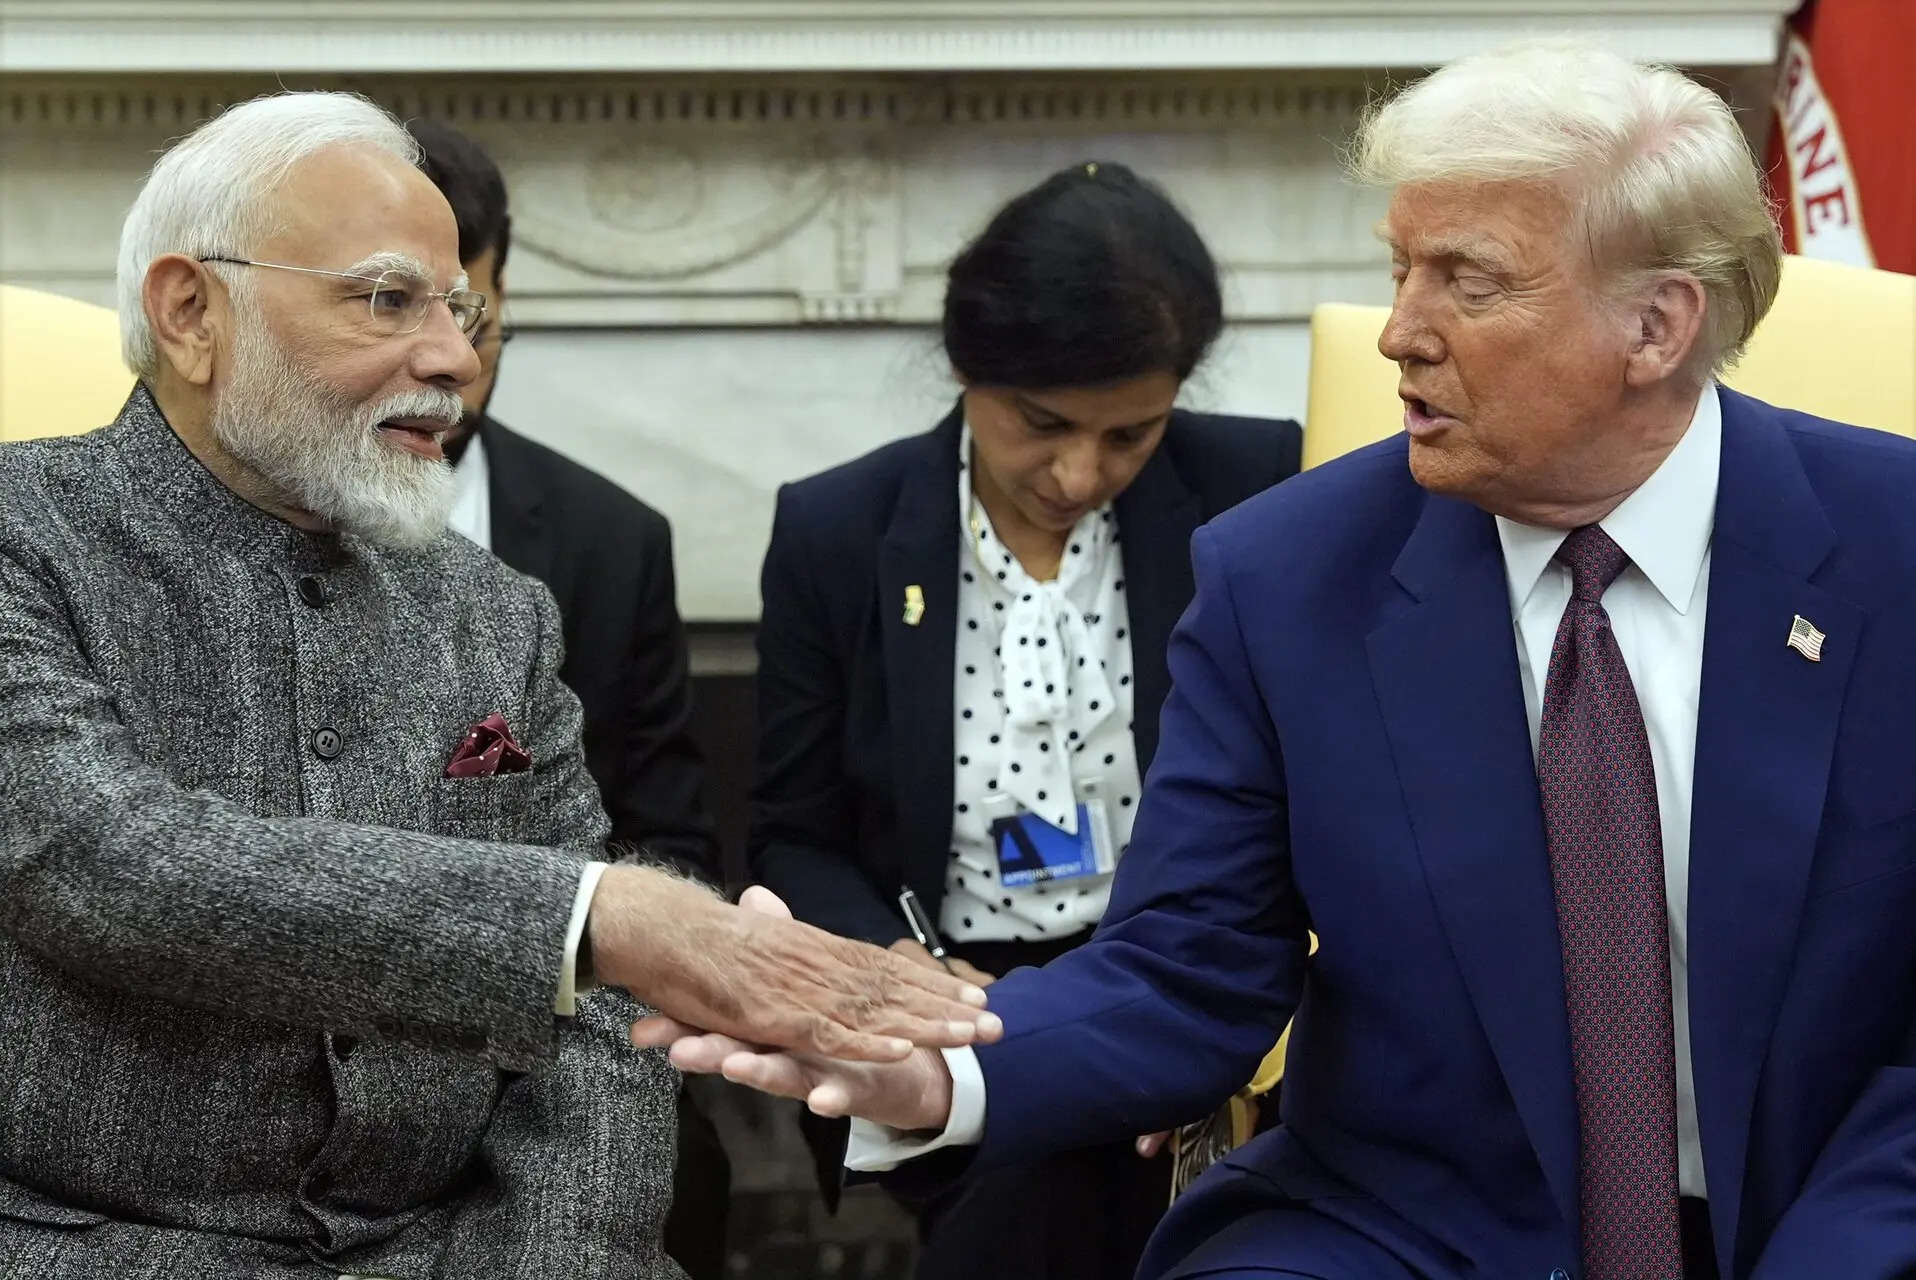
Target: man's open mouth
[422, 436]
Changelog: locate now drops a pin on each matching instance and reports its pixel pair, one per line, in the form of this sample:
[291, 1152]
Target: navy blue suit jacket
[1345, 749]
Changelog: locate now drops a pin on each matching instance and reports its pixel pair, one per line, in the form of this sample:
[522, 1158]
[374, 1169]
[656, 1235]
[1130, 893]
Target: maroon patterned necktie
[1599, 792]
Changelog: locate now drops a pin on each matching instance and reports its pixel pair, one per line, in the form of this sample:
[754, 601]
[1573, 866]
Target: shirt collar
[473, 468]
[1664, 527]
[471, 512]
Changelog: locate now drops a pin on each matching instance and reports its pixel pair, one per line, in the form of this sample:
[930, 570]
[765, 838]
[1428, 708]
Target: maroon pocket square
[488, 748]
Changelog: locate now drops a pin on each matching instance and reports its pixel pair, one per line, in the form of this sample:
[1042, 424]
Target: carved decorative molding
[648, 209]
[81, 102]
[395, 36]
[762, 200]
[767, 200]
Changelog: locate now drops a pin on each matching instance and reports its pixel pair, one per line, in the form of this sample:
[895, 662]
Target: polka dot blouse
[1043, 702]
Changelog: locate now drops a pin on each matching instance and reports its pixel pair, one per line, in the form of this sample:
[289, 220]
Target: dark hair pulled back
[1091, 277]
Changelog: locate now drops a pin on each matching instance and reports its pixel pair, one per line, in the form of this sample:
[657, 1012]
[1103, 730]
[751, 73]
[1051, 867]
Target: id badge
[1033, 851]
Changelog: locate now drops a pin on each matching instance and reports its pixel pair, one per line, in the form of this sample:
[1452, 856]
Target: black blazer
[854, 788]
[607, 558]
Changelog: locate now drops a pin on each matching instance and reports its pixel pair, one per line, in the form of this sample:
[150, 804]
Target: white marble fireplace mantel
[836, 35]
[732, 217]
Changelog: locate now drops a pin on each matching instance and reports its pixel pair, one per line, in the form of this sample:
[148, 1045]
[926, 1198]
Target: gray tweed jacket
[275, 994]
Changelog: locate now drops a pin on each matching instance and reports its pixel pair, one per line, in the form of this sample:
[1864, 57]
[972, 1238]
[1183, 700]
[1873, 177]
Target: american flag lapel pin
[1806, 639]
[914, 605]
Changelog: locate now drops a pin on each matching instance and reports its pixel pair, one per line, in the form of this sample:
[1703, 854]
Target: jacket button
[327, 744]
[312, 592]
[1559, 1274]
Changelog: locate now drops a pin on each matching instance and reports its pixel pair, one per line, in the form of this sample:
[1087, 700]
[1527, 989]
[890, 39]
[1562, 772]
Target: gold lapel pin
[1806, 639]
[914, 605]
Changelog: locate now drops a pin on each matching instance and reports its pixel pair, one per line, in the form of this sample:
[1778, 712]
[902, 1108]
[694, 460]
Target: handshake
[751, 994]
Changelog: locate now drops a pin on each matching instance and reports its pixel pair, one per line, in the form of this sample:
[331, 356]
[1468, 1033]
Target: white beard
[321, 450]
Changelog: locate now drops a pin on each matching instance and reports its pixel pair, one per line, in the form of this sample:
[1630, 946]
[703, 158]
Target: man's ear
[184, 314]
[1668, 322]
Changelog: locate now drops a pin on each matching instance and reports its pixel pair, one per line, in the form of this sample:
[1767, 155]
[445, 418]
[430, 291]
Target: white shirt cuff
[875, 1148]
[567, 1002]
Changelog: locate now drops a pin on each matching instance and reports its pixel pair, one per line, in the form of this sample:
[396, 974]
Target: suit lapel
[920, 549]
[1445, 670]
[520, 534]
[1157, 515]
[1766, 730]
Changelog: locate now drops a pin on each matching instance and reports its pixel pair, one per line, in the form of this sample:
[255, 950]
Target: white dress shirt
[1042, 702]
[1656, 609]
[472, 494]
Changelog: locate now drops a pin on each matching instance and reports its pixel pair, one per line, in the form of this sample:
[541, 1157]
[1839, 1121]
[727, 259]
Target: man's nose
[442, 353]
[1406, 334]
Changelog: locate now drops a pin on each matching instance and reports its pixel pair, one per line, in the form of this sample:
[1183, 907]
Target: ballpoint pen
[922, 928]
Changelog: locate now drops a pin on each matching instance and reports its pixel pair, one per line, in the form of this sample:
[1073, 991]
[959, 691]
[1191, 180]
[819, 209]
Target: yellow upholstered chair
[1839, 342]
[60, 369]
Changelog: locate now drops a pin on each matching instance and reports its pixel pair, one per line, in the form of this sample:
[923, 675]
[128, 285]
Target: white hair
[1657, 172]
[212, 192]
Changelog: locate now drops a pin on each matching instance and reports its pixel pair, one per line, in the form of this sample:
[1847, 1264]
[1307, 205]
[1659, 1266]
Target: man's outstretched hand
[912, 1093]
[753, 973]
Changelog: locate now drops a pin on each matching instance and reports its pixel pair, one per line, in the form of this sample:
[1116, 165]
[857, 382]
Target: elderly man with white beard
[303, 888]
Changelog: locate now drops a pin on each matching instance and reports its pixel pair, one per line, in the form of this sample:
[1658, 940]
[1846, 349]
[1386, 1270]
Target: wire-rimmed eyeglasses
[495, 335]
[397, 299]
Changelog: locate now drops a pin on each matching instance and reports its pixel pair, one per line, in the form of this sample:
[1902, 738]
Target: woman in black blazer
[962, 649]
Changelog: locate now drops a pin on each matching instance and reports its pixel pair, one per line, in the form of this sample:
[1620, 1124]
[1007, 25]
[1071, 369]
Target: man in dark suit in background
[607, 558]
